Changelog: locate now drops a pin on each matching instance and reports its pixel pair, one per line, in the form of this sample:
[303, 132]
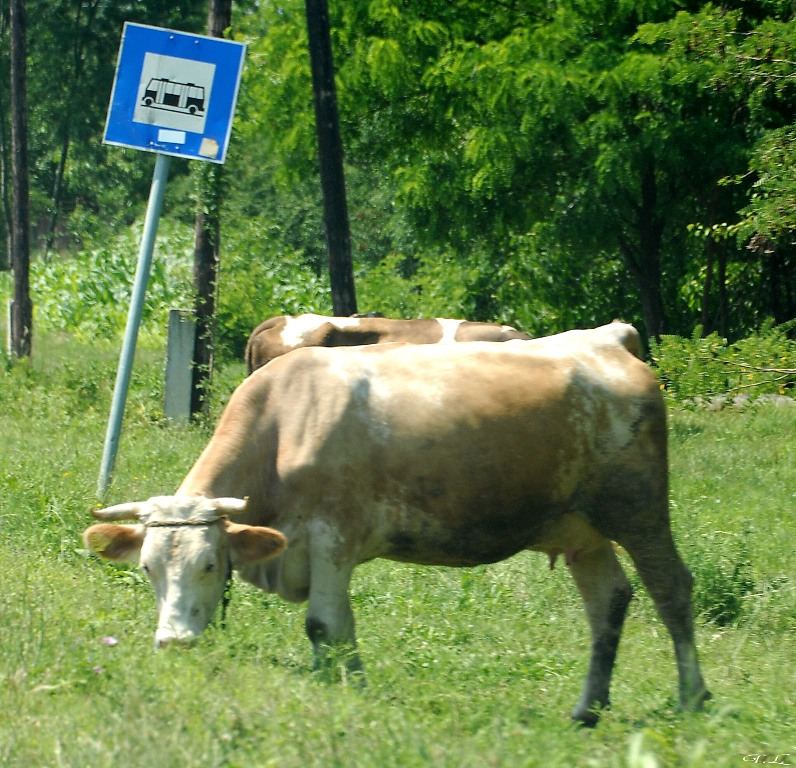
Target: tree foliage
[549, 164]
[565, 157]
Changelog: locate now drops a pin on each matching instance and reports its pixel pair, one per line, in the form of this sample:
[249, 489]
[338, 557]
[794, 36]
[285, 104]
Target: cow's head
[187, 546]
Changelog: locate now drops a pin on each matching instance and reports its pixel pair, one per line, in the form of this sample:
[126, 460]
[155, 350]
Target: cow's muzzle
[169, 637]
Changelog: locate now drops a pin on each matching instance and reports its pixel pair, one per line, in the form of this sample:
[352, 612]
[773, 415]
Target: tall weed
[723, 576]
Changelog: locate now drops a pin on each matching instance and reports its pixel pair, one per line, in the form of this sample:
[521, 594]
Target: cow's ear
[119, 543]
[250, 543]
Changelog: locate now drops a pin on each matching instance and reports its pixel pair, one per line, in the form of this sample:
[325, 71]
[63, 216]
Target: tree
[207, 244]
[82, 23]
[574, 119]
[22, 310]
[5, 108]
[78, 187]
[330, 152]
[750, 55]
[551, 168]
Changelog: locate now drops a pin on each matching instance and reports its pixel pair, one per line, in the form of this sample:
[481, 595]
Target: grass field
[476, 667]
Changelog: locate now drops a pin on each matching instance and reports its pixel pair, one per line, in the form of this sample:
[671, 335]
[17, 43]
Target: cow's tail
[247, 356]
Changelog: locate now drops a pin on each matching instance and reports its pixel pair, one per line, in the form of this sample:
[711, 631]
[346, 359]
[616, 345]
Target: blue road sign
[174, 93]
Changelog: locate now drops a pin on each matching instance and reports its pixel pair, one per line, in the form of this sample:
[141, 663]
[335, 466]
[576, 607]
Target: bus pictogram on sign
[162, 93]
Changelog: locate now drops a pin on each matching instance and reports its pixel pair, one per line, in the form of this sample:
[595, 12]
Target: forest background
[545, 164]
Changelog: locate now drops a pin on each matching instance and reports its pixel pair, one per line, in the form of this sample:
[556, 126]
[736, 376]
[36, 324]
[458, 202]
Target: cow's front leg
[606, 593]
[330, 620]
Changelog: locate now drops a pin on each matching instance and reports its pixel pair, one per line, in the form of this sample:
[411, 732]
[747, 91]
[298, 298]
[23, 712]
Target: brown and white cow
[455, 456]
[282, 334]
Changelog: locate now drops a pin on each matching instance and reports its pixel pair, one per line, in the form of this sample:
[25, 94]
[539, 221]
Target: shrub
[703, 367]
[260, 277]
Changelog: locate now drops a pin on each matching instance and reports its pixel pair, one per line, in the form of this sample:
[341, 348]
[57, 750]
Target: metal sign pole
[133, 322]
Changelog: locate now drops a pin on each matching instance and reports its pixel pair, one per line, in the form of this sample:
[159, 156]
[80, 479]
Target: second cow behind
[279, 335]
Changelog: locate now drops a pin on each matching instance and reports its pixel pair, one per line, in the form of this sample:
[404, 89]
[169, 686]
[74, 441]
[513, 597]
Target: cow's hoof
[695, 703]
[586, 718]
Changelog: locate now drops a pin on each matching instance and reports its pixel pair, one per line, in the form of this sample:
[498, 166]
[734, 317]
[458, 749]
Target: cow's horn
[130, 510]
[230, 506]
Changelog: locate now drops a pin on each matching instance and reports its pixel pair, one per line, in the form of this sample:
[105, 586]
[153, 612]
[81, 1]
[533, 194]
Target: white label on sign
[174, 93]
[171, 137]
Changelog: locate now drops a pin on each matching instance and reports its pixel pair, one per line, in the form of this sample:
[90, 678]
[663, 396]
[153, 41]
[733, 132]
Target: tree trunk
[5, 109]
[723, 314]
[707, 289]
[207, 236]
[330, 153]
[22, 312]
[207, 245]
[55, 199]
[644, 258]
[5, 253]
[649, 287]
[82, 31]
[781, 284]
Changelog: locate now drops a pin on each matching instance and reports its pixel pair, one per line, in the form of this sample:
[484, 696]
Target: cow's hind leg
[606, 593]
[669, 582]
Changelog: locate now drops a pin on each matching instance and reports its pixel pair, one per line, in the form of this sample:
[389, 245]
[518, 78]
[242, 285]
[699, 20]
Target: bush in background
[260, 277]
[696, 368]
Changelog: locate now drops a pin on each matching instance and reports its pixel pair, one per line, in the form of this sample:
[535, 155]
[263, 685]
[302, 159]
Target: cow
[279, 335]
[456, 455]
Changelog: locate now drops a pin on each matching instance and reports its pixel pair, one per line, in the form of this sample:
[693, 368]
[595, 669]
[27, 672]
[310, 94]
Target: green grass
[475, 667]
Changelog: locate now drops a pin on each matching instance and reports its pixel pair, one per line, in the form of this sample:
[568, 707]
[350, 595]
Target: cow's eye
[145, 568]
[210, 567]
